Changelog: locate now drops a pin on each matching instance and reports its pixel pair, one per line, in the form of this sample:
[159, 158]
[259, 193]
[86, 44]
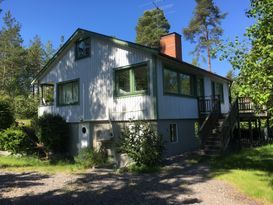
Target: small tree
[150, 27]
[53, 133]
[142, 143]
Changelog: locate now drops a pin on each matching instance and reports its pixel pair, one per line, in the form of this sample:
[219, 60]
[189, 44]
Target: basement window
[131, 80]
[173, 133]
[82, 48]
[47, 94]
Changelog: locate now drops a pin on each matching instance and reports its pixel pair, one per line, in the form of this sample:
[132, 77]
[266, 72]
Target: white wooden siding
[96, 84]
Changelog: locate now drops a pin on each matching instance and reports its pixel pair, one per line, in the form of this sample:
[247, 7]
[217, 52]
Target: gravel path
[179, 183]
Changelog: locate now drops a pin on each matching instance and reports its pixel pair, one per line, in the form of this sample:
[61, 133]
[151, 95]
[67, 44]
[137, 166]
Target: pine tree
[12, 56]
[35, 55]
[204, 28]
[151, 26]
[48, 51]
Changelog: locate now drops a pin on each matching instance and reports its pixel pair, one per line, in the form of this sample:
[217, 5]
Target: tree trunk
[208, 50]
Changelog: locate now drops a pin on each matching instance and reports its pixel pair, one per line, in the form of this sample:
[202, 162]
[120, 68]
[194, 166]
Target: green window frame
[131, 80]
[82, 48]
[68, 93]
[173, 133]
[178, 83]
[47, 94]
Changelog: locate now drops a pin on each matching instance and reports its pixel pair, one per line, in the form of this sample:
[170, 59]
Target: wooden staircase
[217, 130]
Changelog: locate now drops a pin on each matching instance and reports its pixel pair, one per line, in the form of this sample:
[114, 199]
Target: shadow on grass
[170, 186]
[260, 159]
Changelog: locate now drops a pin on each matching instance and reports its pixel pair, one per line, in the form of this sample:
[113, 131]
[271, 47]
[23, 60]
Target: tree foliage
[255, 60]
[150, 27]
[205, 29]
[12, 56]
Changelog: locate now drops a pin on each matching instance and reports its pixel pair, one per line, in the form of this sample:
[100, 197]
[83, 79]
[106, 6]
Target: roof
[81, 31]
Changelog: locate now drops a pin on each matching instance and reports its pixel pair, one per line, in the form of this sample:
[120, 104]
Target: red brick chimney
[170, 44]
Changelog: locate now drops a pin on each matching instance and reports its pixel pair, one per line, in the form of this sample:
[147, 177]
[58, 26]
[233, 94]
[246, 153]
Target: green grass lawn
[250, 170]
[19, 164]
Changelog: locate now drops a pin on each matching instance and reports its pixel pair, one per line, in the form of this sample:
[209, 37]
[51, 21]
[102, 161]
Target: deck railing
[245, 104]
[206, 104]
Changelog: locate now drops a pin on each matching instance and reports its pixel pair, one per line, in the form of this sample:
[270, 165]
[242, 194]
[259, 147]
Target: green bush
[52, 131]
[88, 157]
[16, 141]
[6, 115]
[25, 107]
[142, 144]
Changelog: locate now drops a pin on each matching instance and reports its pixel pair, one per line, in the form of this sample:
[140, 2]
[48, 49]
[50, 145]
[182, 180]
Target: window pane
[47, 95]
[185, 84]
[170, 81]
[200, 87]
[123, 81]
[141, 78]
[173, 133]
[83, 48]
[219, 91]
[68, 93]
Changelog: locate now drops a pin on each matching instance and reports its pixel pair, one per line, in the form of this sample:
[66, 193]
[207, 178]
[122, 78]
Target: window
[170, 81]
[123, 81]
[218, 90]
[83, 48]
[68, 93]
[47, 97]
[186, 87]
[133, 80]
[200, 87]
[173, 133]
[178, 83]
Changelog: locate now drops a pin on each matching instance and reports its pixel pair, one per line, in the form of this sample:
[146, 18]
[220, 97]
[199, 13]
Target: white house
[99, 83]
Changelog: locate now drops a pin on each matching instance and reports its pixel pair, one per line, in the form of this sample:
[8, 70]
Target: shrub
[25, 107]
[142, 143]
[16, 141]
[52, 131]
[6, 115]
[88, 157]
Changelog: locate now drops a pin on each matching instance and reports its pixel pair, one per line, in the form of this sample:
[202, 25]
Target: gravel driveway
[178, 183]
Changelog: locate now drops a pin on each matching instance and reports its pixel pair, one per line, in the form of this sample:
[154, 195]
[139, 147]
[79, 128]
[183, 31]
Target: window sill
[180, 95]
[80, 58]
[131, 95]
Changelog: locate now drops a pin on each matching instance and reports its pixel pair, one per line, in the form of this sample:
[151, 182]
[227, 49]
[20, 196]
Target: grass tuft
[23, 163]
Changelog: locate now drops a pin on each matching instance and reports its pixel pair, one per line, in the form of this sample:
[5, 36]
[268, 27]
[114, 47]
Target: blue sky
[52, 18]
